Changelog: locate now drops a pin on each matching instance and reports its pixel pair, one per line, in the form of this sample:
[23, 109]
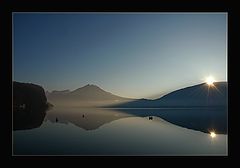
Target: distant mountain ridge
[93, 92]
[200, 107]
[198, 95]
[84, 96]
[87, 92]
[195, 96]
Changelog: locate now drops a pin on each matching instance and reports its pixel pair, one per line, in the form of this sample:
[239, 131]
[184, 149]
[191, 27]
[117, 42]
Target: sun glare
[210, 80]
[213, 134]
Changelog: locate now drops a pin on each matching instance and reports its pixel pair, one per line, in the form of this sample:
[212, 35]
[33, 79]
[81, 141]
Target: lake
[99, 131]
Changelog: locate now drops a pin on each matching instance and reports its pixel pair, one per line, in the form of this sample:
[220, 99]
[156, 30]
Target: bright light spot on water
[213, 134]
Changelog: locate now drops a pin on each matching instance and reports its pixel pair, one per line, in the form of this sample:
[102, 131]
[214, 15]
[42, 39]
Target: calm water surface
[78, 131]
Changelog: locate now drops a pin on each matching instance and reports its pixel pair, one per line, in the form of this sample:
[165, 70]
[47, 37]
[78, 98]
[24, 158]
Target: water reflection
[86, 118]
[193, 118]
[28, 119]
[201, 119]
[125, 136]
[65, 131]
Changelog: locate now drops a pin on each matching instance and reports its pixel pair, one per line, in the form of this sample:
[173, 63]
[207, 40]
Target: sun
[210, 80]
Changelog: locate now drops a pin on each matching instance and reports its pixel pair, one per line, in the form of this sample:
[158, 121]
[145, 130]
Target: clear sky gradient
[132, 55]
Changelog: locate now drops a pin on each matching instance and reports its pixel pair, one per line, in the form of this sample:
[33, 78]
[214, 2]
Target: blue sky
[133, 55]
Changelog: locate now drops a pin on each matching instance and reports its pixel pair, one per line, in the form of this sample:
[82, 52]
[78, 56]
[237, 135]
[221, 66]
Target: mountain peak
[90, 87]
[89, 92]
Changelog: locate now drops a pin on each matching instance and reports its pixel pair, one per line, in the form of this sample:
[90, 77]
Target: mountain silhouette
[200, 107]
[201, 95]
[29, 105]
[88, 95]
[93, 92]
